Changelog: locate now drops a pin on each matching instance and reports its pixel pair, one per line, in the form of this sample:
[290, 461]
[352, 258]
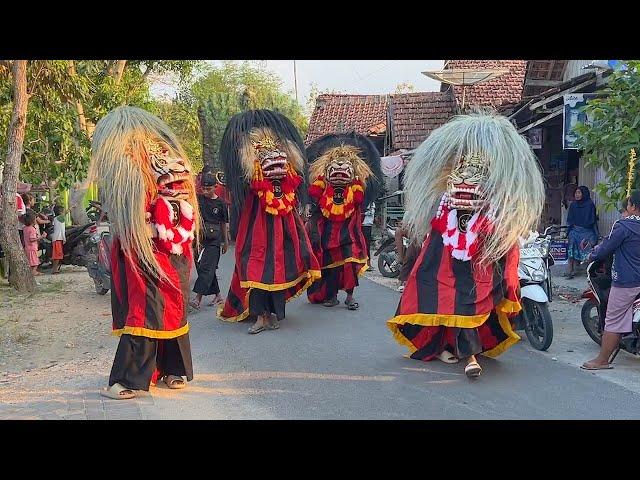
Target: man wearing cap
[214, 221]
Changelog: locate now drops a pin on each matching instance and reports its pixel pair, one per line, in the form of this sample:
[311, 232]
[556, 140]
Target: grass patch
[22, 338]
[54, 286]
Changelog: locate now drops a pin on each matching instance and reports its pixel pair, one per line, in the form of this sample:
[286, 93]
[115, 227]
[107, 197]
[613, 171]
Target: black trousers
[137, 358]
[467, 343]
[206, 266]
[262, 301]
[330, 277]
[366, 230]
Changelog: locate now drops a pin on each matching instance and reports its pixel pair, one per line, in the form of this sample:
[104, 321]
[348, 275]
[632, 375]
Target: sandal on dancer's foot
[194, 304]
[352, 305]
[117, 392]
[217, 301]
[331, 302]
[256, 329]
[473, 370]
[447, 357]
[174, 382]
[273, 324]
[596, 366]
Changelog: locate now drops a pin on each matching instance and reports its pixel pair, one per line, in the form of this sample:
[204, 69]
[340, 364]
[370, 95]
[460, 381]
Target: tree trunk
[19, 272]
[76, 203]
[78, 191]
[119, 70]
[207, 141]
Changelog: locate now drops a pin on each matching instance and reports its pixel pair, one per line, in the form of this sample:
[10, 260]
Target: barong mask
[464, 188]
[171, 173]
[272, 159]
[144, 176]
[345, 173]
[261, 153]
[274, 179]
[476, 181]
[336, 186]
[340, 170]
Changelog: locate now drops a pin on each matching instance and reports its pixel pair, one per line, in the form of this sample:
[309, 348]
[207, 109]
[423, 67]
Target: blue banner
[574, 104]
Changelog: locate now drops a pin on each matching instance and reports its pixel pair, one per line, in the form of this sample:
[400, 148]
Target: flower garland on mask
[323, 193]
[171, 234]
[264, 189]
[461, 245]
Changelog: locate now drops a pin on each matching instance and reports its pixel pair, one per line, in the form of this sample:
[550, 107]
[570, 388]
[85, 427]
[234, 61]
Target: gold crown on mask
[265, 143]
[475, 160]
[153, 148]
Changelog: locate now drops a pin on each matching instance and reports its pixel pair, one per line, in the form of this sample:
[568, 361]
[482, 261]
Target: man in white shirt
[367, 225]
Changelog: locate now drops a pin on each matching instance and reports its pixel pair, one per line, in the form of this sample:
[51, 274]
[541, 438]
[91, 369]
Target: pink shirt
[29, 235]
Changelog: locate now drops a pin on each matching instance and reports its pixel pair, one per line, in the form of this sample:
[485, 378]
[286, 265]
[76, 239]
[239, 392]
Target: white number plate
[531, 252]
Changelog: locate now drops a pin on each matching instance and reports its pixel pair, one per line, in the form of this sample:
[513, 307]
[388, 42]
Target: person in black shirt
[214, 220]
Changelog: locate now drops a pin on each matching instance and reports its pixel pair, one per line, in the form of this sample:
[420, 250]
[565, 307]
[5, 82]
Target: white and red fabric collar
[461, 232]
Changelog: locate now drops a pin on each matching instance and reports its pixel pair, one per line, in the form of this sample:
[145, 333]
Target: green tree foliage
[67, 98]
[613, 130]
[231, 88]
[179, 116]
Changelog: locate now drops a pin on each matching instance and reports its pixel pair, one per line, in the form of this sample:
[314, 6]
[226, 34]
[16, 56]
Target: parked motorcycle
[95, 212]
[536, 290]
[388, 258]
[98, 263]
[595, 308]
[74, 248]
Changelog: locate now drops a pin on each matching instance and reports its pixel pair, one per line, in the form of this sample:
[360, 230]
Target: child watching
[58, 238]
[31, 239]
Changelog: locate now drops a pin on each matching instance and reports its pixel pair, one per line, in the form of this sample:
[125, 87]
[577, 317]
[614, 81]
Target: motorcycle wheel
[100, 290]
[538, 324]
[591, 320]
[383, 265]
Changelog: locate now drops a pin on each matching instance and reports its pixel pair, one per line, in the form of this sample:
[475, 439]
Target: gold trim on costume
[349, 260]
[505, 307]
[150, 333]
[312, 276]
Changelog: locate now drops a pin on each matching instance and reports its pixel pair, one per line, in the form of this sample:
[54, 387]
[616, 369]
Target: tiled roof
[415, 115]
[504, 89]
[366, 114]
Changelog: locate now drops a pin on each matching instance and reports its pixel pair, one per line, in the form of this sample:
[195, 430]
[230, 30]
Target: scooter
[98, 264]
[595, 308]
[388, 263]
[536, 290]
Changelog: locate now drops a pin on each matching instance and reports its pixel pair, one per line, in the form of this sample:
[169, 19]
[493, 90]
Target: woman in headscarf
[583, 228]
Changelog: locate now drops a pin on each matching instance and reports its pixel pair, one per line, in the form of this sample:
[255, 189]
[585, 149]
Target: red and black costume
[345, 179]
[453, 303]
[143, 171]
[264, 164]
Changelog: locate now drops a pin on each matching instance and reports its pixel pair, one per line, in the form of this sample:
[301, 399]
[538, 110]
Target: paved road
[331, 363]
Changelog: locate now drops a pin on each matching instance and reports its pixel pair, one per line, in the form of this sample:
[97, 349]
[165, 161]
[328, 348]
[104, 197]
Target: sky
[348, 76]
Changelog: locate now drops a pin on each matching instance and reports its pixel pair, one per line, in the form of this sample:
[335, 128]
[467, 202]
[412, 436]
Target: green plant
[613, 130]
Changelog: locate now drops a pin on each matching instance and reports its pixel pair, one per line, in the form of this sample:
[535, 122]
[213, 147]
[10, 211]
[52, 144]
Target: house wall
[574, 69]
[553, 175]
